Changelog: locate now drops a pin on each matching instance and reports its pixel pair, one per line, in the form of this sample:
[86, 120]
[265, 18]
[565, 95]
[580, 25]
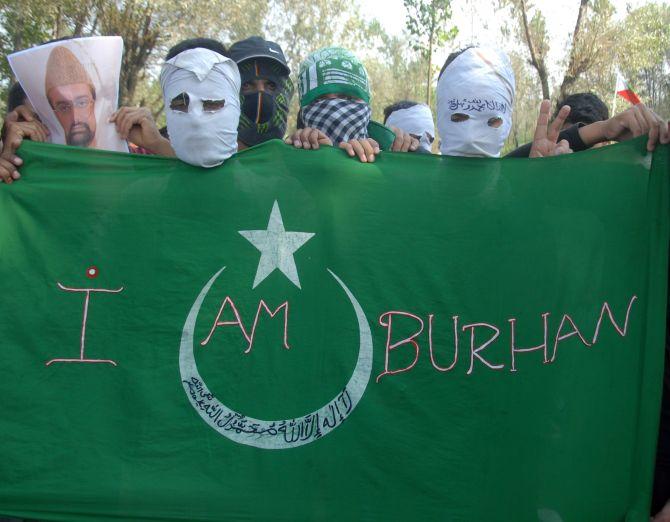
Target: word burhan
[480, 336]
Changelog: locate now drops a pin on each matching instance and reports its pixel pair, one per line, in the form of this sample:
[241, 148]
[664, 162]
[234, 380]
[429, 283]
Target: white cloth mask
[475, 97]
[416, 120]
[201, 91]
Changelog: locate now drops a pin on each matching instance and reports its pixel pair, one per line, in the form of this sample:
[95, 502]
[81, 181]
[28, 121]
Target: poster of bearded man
[73, 86]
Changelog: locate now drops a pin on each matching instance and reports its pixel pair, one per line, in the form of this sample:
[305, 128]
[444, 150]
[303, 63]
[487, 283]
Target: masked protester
[334, 106]
[335, 94]
[415, 119]
[266, 90]
[475, 97]
[201, 94]
[137, 124]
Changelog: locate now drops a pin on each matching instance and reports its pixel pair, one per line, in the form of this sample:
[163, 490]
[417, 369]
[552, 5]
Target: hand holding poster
[73, 86]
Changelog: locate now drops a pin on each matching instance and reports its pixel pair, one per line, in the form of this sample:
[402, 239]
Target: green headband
[332, 70]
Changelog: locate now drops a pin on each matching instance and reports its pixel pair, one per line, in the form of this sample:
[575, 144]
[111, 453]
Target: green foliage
[389, 64]
[148, 28]
[526, 103]
[639, 45]
[400, 67]
[24, 23]
[590, 65]
[647, 36]
[532, 32]
[539, 35]
[644, 54]
[426, 23]
[301, 28]
[427, 26]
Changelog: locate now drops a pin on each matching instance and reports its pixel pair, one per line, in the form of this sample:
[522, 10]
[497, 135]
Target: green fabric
[332, 70]
[451, 242]
[381, 134]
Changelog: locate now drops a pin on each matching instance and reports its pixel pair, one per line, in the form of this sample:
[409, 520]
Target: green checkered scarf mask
[332, 70]
[264, 114]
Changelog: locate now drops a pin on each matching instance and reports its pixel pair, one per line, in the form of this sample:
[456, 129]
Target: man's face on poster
[74, 106]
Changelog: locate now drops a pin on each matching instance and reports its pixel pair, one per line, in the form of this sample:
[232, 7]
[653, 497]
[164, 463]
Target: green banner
[299, 336]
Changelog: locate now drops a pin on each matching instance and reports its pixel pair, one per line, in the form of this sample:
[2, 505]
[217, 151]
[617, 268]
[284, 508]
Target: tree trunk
[135, 22]
[571, 73]
[17, 41]
[59, 19]
[428, 73]
[536, 61]
[79, 22]
[431, 37]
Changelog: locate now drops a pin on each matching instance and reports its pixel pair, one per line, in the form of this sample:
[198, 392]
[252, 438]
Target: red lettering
[574, 331]
[249, 337]
[261, 305]
[392, 346]
[606, 308]
[474, 352]
[218, 322]
[82, 344]
[543, 346]
[430, 345]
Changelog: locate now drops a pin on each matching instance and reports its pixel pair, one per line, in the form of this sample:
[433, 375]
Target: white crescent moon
[282, 433]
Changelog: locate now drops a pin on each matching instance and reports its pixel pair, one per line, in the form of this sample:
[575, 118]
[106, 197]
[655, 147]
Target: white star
[276, 247]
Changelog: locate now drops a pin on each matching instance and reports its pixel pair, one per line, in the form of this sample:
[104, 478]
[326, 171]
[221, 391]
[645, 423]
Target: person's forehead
[263, 66]
[71, 90]
[207, 89]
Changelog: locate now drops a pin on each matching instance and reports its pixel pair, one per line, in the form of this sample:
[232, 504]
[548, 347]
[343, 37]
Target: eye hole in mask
[180, 103]
[430, 138]
[494, 122]
[458, 117]
[254, 86]
[213, 105]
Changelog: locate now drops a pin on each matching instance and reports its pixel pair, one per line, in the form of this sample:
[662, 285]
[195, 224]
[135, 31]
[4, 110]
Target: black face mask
[259, 107]
[264, 114]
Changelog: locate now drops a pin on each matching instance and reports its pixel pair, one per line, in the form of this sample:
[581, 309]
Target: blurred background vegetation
[400, 66]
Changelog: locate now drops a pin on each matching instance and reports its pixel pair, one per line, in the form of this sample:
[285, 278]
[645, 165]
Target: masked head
[201, 94]
[335, 94]
[266, 90]
[414, 118]
[71, 94]
[475, 96]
